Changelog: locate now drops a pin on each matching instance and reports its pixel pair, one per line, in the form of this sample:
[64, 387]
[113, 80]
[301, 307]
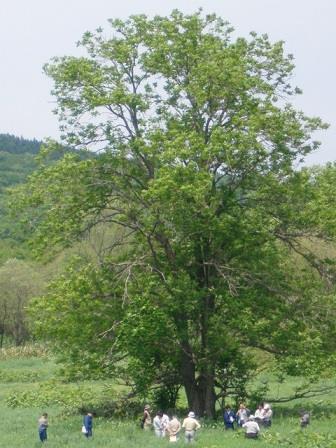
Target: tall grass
[24, 351]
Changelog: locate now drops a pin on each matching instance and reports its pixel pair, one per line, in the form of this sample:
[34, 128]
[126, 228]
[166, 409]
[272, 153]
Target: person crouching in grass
[251, 428]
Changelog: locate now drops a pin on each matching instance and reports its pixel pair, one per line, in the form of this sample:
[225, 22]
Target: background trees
[19, 282]
[209, 265]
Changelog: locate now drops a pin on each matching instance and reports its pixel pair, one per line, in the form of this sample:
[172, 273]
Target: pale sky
[33, 31]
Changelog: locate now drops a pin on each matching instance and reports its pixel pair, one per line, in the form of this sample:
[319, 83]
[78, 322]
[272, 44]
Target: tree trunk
[199, 389]
[201, 398]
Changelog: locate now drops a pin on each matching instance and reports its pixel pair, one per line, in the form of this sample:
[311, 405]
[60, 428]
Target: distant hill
[16, 159]
[14, 168]
[18, 145]
[17, 162]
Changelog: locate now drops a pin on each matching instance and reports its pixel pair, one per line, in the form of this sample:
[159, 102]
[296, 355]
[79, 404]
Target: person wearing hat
[267, 415]
[251, 428]
[190, 425]
[147, 418]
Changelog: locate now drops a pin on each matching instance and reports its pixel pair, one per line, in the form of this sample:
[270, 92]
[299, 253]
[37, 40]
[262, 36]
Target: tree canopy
[214, 254]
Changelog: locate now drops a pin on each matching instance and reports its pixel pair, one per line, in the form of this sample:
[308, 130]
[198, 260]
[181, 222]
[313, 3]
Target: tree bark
[199, 388]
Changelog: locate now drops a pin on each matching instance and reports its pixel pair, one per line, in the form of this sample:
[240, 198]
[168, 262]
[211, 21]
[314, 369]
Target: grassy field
[34, 378]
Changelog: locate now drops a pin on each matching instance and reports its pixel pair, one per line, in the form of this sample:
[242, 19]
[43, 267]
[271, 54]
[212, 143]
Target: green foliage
[83, 291]
[102, 400]
[301, 439]
[19, 376]
[19, 282]
[165, 397]
[17, 162]
[49, 393]
[197, 144]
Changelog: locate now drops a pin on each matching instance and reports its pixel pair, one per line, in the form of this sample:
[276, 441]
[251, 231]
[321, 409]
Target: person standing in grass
[229, 417]
[165, 421]
[242, 414]
[173, 428]
[87, 423]
[42, 427]
[190, 425]
[147, 418]
[158, 424]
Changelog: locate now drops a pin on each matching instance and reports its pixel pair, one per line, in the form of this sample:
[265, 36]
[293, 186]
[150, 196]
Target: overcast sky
[33, 31]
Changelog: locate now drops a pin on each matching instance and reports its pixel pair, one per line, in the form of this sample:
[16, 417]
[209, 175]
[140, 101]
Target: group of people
[165, 427]
[245, 419]
[43, 426]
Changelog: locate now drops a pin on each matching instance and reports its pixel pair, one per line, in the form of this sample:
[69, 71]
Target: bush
[75, 398]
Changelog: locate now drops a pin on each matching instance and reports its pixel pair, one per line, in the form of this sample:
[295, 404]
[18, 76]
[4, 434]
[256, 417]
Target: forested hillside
[21, 275]
[18, 145]
[16, 163]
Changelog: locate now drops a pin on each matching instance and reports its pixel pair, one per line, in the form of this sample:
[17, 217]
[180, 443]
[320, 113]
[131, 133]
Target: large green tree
[196, 146]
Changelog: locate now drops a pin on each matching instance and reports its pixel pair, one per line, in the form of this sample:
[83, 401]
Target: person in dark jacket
[229, 417]
[87, 422]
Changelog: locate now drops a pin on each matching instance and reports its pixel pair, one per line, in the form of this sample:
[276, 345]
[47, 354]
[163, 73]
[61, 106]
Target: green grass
[19, 425]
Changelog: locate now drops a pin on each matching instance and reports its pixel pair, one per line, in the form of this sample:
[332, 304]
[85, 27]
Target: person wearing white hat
[251, 428]
[190, 425]
[267, 415]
